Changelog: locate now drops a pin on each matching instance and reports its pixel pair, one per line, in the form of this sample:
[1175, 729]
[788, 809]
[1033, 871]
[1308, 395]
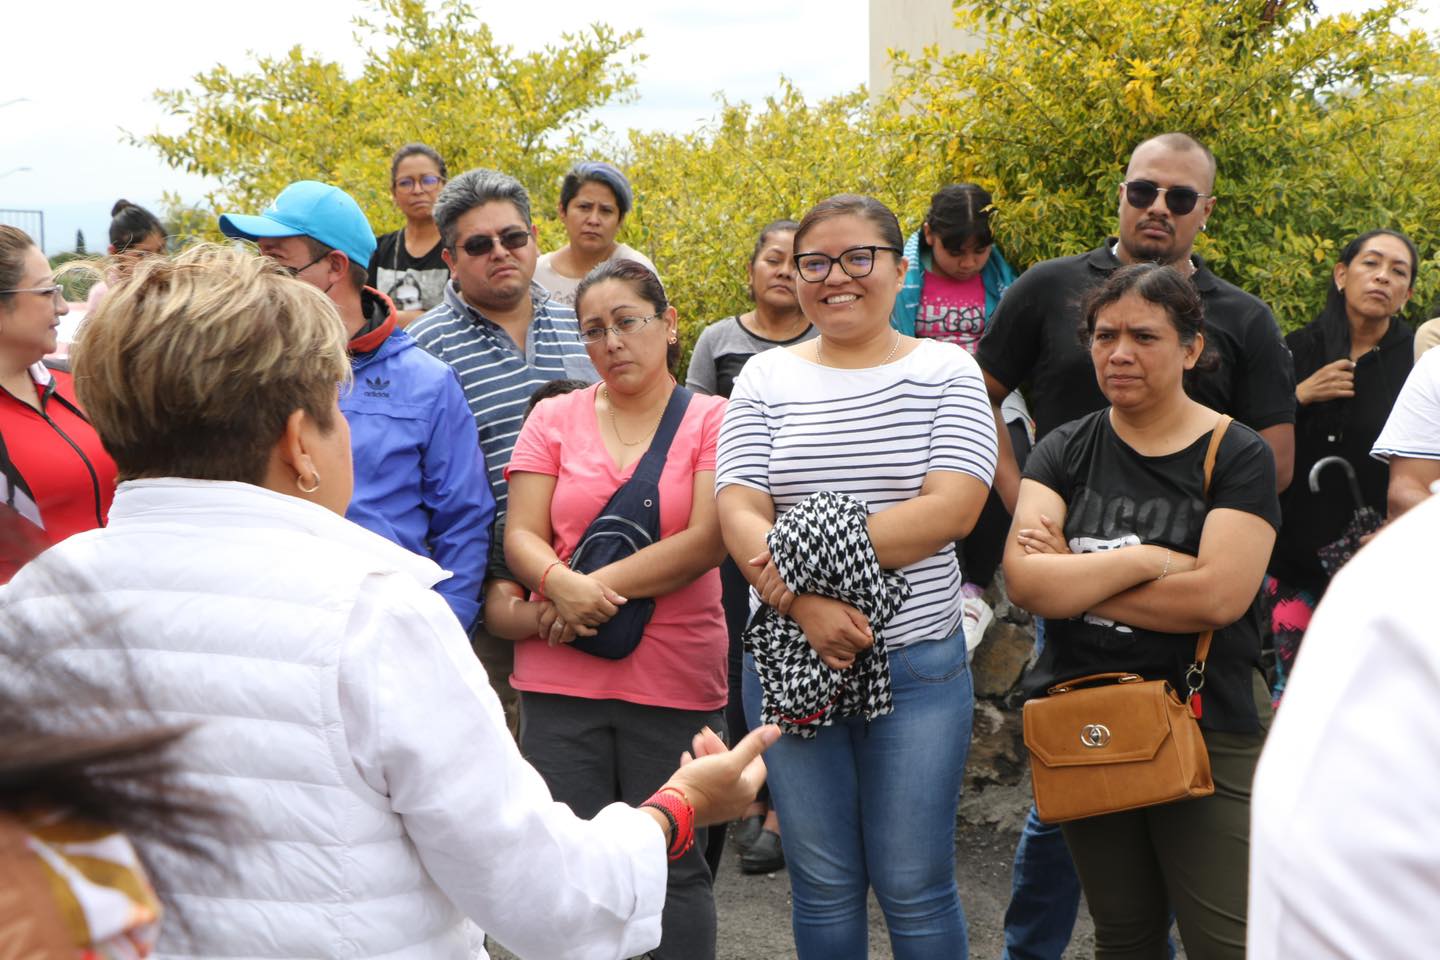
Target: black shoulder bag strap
[653, 463]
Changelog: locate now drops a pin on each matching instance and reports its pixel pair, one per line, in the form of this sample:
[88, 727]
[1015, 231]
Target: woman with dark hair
[719, 354]
[54, 472]
[1118, 545]
[134, 232]
[407, 266]
[80, 789]
[895, 434]
[953, 284]
[605, 730]
[1350, 363]
[595, 198]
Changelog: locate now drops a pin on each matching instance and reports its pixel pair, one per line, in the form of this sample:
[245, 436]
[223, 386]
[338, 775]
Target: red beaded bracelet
[553, 563]
[681, 814]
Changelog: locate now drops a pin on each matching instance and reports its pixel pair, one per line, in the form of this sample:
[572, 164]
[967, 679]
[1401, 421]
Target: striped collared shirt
[498, 378]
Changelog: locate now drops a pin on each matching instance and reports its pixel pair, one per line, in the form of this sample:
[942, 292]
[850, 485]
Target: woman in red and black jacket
[53, 471]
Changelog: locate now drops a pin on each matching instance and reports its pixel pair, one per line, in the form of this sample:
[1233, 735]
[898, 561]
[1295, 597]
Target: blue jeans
[873, 806]
[1044, 894]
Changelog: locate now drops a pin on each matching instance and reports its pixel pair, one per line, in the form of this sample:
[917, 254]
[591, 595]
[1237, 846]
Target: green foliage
[437, 76]
[1321, 126]
[704, 196]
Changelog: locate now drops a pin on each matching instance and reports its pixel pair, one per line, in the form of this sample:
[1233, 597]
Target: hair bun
[120, 205]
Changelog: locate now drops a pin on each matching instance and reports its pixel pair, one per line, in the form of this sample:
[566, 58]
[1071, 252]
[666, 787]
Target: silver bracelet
[1166, 572]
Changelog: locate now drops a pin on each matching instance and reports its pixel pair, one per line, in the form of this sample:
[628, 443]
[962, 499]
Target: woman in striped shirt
[905, 427]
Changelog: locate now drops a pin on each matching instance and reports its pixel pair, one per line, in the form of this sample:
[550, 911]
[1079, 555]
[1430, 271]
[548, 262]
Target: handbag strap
[1195, 676]
[653, 463]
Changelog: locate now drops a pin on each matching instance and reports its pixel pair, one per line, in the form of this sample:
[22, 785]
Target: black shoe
[764, 855]
[746, 831]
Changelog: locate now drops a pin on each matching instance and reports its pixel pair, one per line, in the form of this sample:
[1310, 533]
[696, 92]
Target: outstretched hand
[721, 783]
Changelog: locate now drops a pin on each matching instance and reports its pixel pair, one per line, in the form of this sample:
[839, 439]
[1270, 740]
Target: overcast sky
[86, 69]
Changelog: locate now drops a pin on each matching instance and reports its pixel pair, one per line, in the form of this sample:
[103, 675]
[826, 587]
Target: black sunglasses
[1178, 200]
[481, 243]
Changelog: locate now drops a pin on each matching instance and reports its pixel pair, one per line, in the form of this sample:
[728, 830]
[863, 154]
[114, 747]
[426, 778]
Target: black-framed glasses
[296, 271]
[857, 262]
[54, 291]
[623, 327]
[1178, 200]
[427, 182]
[482, 243]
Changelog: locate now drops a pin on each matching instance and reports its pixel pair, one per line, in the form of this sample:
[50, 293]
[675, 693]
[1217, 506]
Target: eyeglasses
[427, 182]
[622, 327]
[481, 244]
[857, 262]
[1178, 200]
[55, 292]
[296, 271]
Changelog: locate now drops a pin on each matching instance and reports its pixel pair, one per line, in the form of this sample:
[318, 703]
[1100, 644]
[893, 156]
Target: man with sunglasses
[419, 472]
[502, 333]
[1165, 200]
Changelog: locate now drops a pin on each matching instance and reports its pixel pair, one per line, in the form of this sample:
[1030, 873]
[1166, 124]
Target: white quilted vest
[238, 627]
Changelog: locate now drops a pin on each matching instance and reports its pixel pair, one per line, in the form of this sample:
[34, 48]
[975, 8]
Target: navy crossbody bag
[628, 523]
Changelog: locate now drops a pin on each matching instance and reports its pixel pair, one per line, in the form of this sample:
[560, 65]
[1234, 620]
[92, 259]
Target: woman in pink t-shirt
[598, 730]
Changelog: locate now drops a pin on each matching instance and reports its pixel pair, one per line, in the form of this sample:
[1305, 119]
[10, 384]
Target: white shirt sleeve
[1345, 841]
[426, 730]
[1413, 429]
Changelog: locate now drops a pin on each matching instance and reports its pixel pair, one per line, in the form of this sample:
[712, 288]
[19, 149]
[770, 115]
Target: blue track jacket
[419, 474]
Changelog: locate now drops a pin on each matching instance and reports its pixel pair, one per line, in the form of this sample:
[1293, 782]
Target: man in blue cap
[419, 474]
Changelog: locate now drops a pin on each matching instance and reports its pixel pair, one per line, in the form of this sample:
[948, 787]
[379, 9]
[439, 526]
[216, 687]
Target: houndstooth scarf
[822, 546]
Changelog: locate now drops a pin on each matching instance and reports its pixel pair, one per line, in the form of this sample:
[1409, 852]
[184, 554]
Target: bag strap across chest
[648, 470]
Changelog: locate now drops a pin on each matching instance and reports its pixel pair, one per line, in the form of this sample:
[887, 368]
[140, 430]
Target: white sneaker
[977, 619]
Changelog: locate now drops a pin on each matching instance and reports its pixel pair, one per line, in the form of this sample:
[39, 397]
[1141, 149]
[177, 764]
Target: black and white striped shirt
[794, 427]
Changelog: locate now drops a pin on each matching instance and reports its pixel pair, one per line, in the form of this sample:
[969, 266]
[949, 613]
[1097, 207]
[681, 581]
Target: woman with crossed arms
[1119, 549]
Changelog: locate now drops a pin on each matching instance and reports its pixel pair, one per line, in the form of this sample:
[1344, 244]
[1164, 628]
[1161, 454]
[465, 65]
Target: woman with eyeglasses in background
[605, 730]
[595, 198]
[54, 473]
[407, 266]
[867, 801]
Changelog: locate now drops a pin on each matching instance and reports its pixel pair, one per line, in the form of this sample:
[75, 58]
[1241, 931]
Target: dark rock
[1002, 658]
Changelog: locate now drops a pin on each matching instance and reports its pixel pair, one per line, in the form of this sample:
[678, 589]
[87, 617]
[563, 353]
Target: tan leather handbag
[1115, 741]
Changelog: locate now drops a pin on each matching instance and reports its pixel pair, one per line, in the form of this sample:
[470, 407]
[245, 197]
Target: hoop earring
[674, 340]
[304, 489]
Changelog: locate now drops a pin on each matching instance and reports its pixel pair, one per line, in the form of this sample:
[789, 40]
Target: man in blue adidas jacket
[419, 473]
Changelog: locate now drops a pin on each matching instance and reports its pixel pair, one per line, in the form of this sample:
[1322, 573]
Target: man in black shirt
[1032, 340]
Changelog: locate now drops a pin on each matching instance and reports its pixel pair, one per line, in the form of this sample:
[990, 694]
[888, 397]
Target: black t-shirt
[1033, 338]
[1114, 498]
[1345, 428]
[412, 283]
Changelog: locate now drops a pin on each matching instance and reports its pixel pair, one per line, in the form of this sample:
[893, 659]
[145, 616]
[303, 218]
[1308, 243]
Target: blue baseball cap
[308, 208]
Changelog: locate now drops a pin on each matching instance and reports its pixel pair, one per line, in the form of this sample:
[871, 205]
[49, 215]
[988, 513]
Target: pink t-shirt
[952, 310]
[681, 660]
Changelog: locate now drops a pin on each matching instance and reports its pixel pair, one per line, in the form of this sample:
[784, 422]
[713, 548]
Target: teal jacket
[997, 275]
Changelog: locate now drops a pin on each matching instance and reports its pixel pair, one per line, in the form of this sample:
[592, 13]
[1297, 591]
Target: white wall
[910, 25]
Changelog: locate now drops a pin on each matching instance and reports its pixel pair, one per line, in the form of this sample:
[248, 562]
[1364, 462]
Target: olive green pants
[1192, 857]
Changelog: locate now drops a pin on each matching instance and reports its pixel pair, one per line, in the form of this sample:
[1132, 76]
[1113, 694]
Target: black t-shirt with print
[1115, 497]
[1033, 340]
[412, 283]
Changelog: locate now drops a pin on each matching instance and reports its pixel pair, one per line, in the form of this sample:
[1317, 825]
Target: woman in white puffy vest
[338, 706]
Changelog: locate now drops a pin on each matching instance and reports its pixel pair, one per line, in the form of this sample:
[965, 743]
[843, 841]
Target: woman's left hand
[1047, 538]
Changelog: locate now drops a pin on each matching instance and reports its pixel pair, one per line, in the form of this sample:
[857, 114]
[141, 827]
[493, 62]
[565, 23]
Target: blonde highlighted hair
[191, 366]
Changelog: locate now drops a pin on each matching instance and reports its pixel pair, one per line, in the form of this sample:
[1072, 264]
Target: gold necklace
[605, 391]
[888, 357]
